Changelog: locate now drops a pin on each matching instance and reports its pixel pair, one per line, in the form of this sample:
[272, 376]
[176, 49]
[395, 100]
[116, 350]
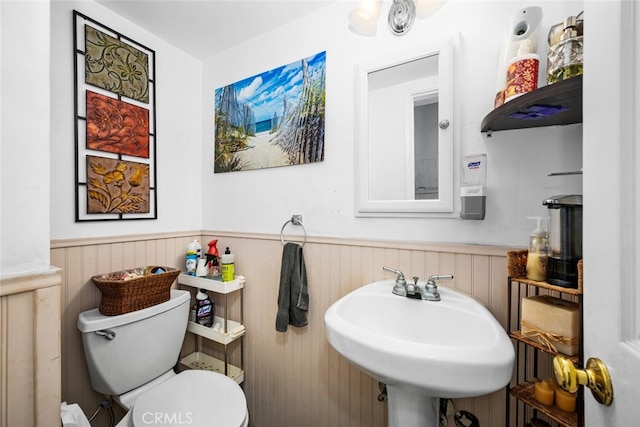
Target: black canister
[565, 239]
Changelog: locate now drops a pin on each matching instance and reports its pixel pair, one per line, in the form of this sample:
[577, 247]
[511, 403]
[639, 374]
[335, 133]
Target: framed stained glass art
[115, 132]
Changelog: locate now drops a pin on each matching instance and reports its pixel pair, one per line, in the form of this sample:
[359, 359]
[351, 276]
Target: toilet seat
[194, 398]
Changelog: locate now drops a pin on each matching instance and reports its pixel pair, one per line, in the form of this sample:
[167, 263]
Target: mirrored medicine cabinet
[404, 135]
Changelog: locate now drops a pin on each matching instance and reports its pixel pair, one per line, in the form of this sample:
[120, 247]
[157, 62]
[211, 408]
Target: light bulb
[427, 8]
[363, 19]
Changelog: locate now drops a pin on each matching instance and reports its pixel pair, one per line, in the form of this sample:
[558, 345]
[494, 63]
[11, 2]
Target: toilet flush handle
[107, 334]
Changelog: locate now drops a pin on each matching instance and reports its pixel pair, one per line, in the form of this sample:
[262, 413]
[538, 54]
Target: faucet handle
[400, 280]
[431, 289]
[400, 287]
[397, 272]
[432, 279]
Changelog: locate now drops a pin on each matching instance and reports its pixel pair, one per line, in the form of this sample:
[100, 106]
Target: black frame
[80, 88]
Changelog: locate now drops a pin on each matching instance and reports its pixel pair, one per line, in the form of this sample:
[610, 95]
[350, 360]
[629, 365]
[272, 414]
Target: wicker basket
[120, 296]
[517, 263]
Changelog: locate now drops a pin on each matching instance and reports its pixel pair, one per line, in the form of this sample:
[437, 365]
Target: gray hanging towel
[293, 297]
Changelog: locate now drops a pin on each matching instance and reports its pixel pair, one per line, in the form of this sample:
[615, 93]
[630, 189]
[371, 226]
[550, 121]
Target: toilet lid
[193, 398]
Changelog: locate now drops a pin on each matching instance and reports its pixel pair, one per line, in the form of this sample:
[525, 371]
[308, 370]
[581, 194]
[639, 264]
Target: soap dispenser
[538, 252]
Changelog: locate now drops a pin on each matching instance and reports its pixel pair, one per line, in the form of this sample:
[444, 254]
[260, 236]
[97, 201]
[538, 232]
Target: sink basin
[451, 348]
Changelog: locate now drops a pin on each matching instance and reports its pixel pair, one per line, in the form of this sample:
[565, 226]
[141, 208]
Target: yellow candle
[535, 269]
[553, 385]
[543, 393]
[565, 400]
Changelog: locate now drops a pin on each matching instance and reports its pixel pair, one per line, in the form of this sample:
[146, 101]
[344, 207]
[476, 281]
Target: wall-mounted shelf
[556, 104]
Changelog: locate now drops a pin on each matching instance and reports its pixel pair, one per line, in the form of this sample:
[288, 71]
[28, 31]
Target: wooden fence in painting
[302, 133]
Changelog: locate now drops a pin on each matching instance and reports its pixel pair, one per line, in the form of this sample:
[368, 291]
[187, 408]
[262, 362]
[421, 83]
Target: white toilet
[131, 357]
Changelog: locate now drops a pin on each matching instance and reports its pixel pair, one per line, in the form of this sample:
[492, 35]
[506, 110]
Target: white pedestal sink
[422, 350]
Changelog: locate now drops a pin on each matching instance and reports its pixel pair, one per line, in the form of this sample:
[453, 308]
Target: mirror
[403, 133]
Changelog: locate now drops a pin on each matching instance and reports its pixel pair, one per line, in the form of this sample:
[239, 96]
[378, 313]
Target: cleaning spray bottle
[204, 309]
[538, 252]
[212, 260]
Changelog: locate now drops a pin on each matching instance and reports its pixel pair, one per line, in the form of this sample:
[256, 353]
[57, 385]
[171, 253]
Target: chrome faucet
[430, 292]
[412, 290]
[400, 287]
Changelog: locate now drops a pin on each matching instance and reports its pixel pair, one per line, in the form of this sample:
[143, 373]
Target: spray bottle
[538, 252]
[212, 260]
[204, 309]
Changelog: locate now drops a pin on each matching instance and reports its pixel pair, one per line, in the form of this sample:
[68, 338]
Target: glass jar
[565, 58]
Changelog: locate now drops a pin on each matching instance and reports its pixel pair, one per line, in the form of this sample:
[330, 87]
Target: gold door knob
[595, 376]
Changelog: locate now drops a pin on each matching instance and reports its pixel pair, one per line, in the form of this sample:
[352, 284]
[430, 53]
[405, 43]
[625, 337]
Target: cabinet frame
[521, 387]
[230, 331]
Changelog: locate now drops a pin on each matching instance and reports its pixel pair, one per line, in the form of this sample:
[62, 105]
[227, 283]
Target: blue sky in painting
[265, 92]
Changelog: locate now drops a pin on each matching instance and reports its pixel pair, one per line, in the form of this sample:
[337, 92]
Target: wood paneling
[293, 378]
[30, 379]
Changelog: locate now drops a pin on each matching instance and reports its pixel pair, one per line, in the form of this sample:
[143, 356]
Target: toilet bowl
[131, 357]
[191, 398]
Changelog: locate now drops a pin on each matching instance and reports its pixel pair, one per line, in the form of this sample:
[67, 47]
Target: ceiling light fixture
[363, 19]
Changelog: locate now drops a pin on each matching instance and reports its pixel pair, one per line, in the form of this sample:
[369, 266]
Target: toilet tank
[126, 351]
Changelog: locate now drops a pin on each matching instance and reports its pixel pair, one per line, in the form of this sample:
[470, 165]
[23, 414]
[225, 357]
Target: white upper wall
[179, 130]
[37, 132]
[24, 137]
[518, 161]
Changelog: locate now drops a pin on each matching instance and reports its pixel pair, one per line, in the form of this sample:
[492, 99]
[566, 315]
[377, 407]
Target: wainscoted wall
[293, 378]
[30, 349]
[80, 259]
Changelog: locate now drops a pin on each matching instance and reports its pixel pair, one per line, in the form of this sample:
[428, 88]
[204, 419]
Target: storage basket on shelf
[130, 290]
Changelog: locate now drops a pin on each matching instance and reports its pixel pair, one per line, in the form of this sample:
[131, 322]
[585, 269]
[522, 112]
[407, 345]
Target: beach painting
[272, 119]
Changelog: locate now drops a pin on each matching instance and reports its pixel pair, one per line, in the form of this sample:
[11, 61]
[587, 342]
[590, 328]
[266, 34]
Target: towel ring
[295, 220]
